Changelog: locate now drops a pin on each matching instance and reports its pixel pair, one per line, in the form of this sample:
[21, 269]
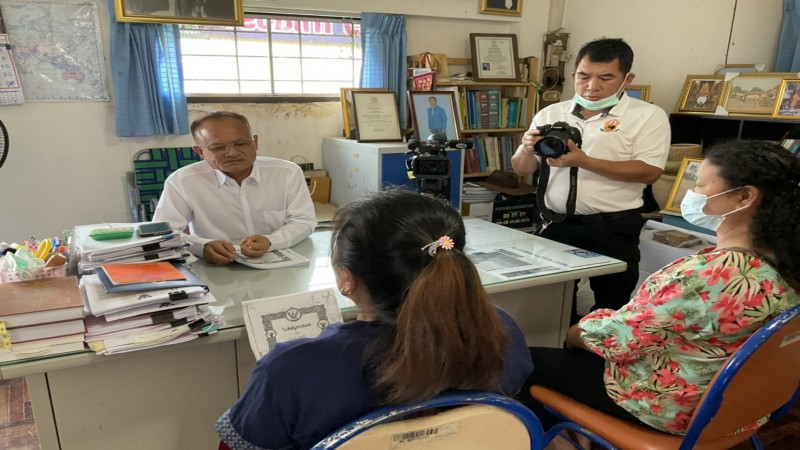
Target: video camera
[553, 141]
[429, 164]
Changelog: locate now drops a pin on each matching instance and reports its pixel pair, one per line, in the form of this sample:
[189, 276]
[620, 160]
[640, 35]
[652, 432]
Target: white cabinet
[356, 168]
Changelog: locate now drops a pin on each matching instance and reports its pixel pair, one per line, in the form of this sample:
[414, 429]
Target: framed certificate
[377, 119]
[494, 57]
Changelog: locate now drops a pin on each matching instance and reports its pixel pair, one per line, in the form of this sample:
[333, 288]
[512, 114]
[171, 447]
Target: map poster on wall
[57, 49]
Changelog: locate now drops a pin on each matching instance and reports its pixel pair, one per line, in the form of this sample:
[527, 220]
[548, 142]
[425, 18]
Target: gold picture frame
[197, 12]
[501, 7]
[348, 119]
[753, 94]
[701, 94]
[788, 107]
[640, 91]
[683, 182]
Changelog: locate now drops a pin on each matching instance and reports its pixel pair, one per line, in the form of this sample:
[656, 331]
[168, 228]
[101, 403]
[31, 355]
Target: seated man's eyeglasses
[240, 144]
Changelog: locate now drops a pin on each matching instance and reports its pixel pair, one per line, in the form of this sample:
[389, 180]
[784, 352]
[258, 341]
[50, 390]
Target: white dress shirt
[272, 201]
[631, 130]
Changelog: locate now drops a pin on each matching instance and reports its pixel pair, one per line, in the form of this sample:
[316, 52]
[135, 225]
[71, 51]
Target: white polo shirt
[272, 201]
[631, 130]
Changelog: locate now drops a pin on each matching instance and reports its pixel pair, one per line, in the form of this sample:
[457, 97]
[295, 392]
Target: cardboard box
[516, 212]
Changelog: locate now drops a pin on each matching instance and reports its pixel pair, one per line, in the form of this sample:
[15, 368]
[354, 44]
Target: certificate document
[494, 57]
[376, 116]
[279, 319]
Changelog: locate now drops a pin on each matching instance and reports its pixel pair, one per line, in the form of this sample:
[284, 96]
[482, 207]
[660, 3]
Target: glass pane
[210, 67]
[281, 26]
[324, 87]
[211, 87]
[205, 42]
[253, 44]
[327, 69]
[286, 68]
[288, 87]
[327, 46]
[285, 45]
[256, 87]
[254, 68]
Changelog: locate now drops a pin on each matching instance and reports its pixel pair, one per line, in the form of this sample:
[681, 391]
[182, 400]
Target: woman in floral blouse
[658, 353]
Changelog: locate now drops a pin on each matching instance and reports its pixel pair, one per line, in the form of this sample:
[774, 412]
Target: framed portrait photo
[348, 119]
[376, 116]
[434, 112]
[502, 7]
[753, 94]
[701, 94]
[198, 12]
[685, 180]
[494, 57]
[639, 91]
[788, 107]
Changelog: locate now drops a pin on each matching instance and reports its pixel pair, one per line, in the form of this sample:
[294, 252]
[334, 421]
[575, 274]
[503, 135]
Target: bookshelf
[494, 116]
[497, 141]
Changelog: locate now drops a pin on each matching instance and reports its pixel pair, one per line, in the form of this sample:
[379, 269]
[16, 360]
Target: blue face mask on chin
[603, 103]
[692, 210]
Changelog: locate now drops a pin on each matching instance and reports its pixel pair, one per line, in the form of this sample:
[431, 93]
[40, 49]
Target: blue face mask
[603, 103]
[692, 210]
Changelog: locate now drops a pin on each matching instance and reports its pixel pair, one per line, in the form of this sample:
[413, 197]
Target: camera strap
[546, 214]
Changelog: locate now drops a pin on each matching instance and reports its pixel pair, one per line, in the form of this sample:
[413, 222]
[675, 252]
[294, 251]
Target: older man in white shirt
[235, 196]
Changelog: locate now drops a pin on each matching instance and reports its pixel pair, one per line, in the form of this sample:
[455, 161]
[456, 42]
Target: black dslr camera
[429, 164]
[553, 139]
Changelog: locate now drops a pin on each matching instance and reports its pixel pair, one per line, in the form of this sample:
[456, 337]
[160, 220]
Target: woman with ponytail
[424, 325]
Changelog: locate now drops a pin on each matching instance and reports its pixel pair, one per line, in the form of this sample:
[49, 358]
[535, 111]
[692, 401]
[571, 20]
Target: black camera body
[553, 139]
[429, 161]
[430, 166]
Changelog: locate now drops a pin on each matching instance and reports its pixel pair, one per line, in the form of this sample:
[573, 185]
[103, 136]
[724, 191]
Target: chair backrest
[488, 421]
[146, 182]
[758, 379]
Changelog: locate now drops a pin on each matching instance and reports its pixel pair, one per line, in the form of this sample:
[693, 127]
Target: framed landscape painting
[701, 94]
[753, 94]
[199, 12]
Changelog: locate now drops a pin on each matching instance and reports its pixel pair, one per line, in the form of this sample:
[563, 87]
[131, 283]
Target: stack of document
[137, 306]
[93, 253]
[474, 193]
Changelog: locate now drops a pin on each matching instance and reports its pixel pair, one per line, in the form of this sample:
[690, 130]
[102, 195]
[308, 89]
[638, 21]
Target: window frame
[277, 98]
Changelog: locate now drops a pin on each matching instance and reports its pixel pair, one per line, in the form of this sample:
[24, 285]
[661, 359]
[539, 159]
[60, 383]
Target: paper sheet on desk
[272, 320]
[523, 260]
[275, 259]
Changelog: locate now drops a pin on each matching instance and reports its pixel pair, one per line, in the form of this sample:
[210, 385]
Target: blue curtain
[148, 79]
[788, 59]
[383, 45]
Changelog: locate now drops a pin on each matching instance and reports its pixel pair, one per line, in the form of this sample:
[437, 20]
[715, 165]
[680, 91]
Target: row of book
[791, 144]
[489, 109]
[490, 153]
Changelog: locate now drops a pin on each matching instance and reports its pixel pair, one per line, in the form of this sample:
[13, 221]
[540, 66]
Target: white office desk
[170, 397]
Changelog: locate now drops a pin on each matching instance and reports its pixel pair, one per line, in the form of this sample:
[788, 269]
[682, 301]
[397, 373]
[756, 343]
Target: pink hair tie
[445, 242]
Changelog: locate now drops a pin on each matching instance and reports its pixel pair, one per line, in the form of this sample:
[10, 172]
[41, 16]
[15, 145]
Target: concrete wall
[67, 167]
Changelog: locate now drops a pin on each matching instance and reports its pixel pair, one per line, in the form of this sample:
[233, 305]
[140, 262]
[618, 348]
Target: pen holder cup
[34, 274]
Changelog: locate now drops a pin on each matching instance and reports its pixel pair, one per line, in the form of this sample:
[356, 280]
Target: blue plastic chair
[479, 422]
[761, 378]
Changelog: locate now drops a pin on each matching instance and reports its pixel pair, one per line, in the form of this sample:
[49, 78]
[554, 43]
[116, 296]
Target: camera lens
[551, 147]
[427, 167]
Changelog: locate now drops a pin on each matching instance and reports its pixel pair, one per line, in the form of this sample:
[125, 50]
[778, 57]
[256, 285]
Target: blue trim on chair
[396, 412]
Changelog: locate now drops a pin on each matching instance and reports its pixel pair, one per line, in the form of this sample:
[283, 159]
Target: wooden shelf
[494, 130]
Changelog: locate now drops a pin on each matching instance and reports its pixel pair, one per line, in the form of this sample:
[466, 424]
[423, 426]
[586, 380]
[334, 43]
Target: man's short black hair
[605, 50]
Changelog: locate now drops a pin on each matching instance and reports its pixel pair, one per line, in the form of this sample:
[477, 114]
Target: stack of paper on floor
[137, 306]
[272, 320]
[40, 317]
[135, 249]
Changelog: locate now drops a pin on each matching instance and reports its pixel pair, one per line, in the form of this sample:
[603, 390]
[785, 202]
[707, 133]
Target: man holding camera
[625, 144]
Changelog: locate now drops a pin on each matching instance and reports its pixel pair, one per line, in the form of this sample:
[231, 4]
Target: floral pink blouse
[665, 345]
